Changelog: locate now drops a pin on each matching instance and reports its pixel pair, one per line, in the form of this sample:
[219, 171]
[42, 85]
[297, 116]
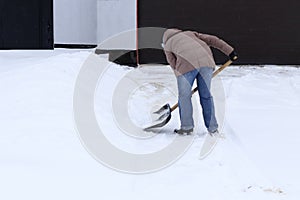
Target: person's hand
[233, 56]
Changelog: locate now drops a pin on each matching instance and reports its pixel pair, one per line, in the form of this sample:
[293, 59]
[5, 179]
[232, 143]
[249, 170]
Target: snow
[42, 157]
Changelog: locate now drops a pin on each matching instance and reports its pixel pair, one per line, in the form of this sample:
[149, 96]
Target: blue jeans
[203, 75]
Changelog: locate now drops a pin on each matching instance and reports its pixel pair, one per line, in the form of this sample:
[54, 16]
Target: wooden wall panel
[262, 31]
[26, 24]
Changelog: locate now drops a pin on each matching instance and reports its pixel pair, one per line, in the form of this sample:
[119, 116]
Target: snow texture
[41, 156]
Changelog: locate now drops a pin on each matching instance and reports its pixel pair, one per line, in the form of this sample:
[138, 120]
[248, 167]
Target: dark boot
[184, 131]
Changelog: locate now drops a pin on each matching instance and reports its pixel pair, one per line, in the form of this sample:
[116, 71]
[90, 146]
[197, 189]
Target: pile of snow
[41, 156]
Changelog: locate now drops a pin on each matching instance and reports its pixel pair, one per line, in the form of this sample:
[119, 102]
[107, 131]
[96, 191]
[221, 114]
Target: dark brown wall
[262, 31]
[26, 24]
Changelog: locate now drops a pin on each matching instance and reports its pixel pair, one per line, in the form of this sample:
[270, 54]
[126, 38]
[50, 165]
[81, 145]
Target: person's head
[169, 33]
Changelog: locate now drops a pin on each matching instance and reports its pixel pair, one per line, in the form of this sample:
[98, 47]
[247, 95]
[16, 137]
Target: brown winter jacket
[188, 50]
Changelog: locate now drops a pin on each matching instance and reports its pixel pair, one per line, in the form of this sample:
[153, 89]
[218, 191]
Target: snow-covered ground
[42, 157]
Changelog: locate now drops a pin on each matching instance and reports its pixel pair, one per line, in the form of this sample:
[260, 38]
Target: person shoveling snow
[190, 56]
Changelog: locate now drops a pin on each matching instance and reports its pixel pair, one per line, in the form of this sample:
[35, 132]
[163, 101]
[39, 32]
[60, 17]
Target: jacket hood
[169, 33]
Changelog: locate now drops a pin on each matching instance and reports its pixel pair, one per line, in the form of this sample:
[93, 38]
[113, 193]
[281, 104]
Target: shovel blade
[163, 119]
[158, 124]
[165, 108]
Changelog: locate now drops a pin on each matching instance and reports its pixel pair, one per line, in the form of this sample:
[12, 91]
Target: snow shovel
[166, 110]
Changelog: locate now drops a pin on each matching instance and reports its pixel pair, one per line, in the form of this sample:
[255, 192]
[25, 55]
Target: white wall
[75, 21]
[92, 21]
[116, 16]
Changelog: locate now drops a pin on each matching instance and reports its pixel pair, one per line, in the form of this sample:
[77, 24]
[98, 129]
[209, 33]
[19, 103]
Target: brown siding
[26, 24]
[262, 31]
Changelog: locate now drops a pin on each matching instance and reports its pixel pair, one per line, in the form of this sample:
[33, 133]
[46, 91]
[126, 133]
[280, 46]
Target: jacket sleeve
[215, 42]
[171, 58]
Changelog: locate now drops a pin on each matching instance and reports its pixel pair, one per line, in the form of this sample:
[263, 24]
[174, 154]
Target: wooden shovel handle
[214, 74]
